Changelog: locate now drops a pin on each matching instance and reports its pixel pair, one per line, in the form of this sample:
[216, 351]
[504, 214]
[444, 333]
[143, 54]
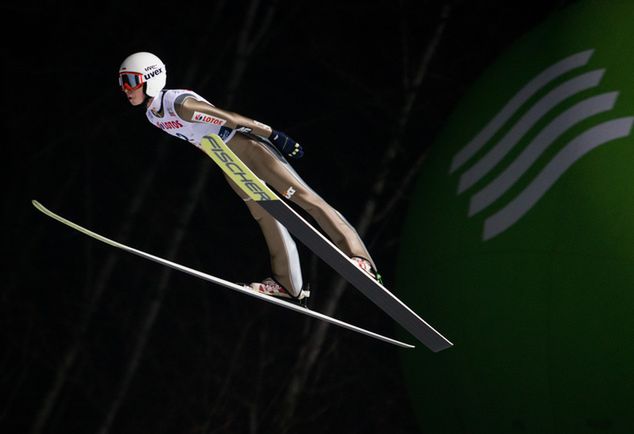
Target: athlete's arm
[189, 108]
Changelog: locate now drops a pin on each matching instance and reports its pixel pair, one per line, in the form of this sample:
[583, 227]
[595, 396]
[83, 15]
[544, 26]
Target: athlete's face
[135, 96]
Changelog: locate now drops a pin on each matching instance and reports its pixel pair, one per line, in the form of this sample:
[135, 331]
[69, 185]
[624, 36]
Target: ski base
[267, 298]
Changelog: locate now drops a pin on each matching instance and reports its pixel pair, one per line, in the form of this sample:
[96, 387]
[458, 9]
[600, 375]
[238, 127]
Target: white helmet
[143, 69]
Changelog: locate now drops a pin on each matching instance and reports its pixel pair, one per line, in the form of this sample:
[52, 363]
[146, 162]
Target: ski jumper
[188, 116]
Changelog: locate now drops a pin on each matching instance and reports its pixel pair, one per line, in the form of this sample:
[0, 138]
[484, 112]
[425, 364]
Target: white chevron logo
[571, 152]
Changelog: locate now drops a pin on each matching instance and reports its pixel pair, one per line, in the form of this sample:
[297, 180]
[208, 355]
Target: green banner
[519, 243]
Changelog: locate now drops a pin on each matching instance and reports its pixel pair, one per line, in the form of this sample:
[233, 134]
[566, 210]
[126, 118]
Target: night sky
[101, 341]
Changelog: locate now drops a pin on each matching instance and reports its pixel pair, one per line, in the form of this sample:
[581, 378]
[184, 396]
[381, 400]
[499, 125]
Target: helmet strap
[146, 97]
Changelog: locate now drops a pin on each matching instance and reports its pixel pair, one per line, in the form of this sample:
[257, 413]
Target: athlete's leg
[283, 251]
[278, 174]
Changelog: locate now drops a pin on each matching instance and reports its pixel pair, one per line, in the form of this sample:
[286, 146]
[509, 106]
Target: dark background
[97, 340]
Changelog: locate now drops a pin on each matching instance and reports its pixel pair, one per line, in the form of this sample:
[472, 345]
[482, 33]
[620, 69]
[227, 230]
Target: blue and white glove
[286, 145]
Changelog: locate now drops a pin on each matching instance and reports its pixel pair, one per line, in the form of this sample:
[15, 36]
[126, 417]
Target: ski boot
[270, 286]
[366, 266]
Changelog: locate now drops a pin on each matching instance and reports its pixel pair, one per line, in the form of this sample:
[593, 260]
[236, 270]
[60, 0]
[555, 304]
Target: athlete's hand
[286, 145]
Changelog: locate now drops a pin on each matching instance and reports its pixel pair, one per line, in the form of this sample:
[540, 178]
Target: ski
[217, 280]
[257, 190]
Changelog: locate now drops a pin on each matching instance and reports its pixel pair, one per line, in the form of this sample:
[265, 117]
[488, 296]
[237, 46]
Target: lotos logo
[564, 116]
[169, 125]
[205, 118]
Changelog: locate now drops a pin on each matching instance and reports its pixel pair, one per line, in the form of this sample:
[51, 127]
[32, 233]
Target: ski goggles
[130, 80]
